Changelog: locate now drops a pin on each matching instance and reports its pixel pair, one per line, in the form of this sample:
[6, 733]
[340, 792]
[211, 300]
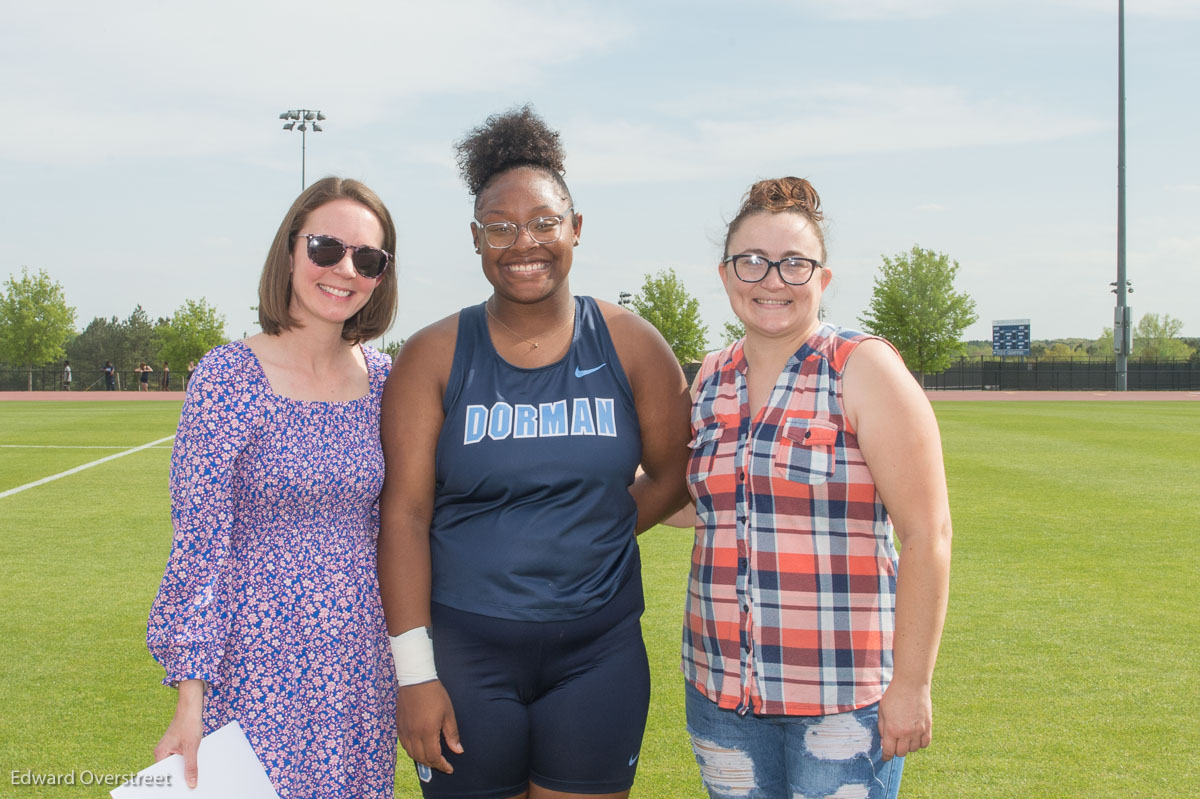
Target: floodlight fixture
[303, 116]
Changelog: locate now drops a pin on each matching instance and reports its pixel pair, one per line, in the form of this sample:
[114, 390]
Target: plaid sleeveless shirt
[792, 594]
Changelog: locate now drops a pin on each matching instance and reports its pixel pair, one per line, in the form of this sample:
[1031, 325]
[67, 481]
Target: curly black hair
[515, 138]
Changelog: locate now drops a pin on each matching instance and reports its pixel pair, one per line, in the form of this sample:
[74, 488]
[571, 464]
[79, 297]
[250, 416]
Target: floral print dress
[270, 593]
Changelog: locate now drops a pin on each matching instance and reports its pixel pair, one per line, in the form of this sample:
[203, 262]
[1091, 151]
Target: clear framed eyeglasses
[542, 229]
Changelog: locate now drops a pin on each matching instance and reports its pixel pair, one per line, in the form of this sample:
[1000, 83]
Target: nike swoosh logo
[585, 372]
[633, 759]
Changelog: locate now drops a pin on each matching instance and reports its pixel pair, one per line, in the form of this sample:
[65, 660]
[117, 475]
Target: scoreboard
[1010, 337]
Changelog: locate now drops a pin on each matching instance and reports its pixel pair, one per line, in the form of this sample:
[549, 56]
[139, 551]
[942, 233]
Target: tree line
[1155, 338]
[914, 304]
[37, 330]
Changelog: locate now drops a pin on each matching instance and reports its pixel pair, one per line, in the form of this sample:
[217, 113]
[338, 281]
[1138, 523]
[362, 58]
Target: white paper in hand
[228, 768]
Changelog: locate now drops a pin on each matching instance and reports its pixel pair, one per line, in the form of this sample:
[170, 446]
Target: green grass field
[1068, 665]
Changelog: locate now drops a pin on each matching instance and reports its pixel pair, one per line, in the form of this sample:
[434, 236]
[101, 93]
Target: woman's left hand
[905, 719]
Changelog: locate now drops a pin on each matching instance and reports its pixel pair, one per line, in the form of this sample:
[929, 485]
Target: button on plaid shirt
[792, 595]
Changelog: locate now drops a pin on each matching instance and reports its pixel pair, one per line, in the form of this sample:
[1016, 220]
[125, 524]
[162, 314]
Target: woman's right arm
[686, 516]
[188, 622]
[184, 732]
[411, 422]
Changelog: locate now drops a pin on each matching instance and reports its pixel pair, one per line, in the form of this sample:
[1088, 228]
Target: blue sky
[143, 161]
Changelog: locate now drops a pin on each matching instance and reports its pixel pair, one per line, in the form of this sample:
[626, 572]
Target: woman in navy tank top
[513, 432]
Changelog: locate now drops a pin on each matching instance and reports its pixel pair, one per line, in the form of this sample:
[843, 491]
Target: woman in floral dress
[269, 612]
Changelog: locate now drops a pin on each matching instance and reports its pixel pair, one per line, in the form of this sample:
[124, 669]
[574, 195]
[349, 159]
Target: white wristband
[413, 653]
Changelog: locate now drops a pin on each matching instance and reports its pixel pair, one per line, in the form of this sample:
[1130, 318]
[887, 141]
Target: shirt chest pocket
[807, 450]
[704, 452]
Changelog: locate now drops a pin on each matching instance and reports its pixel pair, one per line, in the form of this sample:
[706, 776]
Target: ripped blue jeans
[790, 757]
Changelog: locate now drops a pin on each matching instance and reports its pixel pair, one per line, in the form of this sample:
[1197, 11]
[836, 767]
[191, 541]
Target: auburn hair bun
[788, 195]
[783, 194]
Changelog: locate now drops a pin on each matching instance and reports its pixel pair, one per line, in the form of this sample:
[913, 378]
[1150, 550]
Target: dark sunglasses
[370, 262]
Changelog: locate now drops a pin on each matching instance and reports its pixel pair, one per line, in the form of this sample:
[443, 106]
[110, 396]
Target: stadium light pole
[1122, 315]
[624, 299]
[304, 116]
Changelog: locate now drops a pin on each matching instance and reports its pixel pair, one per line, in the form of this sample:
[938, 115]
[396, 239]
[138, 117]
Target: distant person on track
[143, 371]
[109, 376]
[164, 381]
[66, 376]
[269, 610]
[809, 646]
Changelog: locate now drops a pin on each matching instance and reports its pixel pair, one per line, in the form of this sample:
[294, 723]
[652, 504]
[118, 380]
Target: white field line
[68, 446]
[105, 459]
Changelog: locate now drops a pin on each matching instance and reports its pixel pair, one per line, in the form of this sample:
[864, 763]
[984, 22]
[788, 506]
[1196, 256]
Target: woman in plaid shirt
[808, 644]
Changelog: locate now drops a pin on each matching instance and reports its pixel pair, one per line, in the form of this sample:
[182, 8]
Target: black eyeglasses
[794, 271]
[542, 229]
[323, 250]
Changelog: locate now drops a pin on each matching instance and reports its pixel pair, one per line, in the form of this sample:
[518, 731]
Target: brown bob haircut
[275, 285]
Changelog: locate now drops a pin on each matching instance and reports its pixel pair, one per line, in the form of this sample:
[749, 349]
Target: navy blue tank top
[533, 519]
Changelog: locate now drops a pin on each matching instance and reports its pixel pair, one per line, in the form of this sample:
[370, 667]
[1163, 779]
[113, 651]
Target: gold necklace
[533, 345]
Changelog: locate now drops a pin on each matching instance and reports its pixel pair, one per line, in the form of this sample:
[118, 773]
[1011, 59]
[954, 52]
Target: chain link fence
[51, 379]
[1058, 374]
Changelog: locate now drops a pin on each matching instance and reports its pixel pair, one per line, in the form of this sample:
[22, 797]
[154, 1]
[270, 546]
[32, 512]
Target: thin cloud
[1163, 9]
[840, 120]
[880, 10]
[149, 78]
[866, 10]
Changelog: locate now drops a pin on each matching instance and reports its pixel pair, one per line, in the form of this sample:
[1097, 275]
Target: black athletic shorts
[560, 704]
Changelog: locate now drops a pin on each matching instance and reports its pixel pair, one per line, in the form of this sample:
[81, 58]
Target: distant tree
[1157, 338]
[102, 340]
[139, 340]
[732, 331]
[35, 321]
[392, 348]
[1059, 349]
[1103, 346]
[977, 347]
[666, 304]
[193, 330]
[914, 306]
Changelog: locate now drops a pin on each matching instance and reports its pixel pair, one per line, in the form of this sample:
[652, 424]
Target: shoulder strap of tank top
[592, 319]
[472, 325]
